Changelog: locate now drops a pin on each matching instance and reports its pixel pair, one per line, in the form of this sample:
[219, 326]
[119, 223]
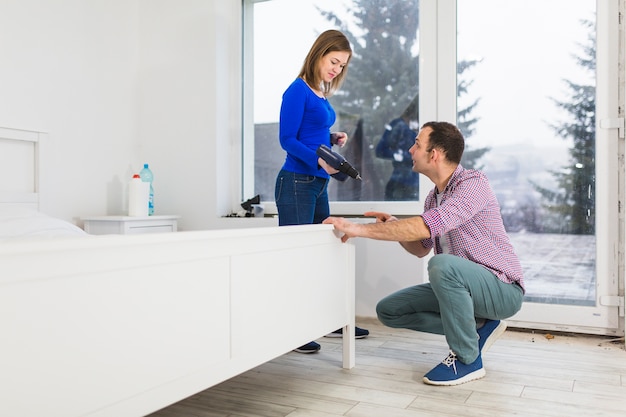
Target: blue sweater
[305, 121]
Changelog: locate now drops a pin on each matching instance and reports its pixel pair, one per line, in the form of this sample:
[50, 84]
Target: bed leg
[348, 346]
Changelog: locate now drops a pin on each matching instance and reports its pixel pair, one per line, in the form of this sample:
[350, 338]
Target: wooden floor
[528, 374]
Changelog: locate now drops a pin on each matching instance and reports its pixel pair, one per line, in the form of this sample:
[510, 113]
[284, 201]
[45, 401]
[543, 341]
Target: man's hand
[351, 229]
[380, 216]
[344, 226]
[409, 232]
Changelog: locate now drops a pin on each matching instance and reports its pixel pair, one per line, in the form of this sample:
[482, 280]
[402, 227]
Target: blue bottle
[146, 176]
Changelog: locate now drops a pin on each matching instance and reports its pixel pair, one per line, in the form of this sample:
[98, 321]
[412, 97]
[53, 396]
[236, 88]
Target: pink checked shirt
[469, 216]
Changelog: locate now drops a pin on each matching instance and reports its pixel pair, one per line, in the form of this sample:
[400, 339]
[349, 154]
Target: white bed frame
[126, 325]
[20, 167]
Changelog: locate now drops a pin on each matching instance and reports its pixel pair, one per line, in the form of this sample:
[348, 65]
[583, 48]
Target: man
[475, 277]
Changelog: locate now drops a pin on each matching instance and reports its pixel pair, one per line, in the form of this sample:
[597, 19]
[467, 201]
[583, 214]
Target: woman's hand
[329, 169]
[339, 138]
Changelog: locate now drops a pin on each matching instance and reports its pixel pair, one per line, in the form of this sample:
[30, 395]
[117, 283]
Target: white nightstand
[127, 225]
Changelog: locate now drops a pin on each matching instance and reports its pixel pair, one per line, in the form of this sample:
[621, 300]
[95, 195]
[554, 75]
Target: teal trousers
[459, 296]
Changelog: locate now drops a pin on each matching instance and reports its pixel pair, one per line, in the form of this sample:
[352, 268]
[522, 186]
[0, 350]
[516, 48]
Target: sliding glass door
[534, 106]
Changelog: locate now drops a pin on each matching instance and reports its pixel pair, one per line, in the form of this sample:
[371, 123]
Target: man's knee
[381, 311]
[438, 268]
[445, 271]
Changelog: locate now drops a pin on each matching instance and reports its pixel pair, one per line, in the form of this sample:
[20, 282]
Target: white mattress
[17, 222]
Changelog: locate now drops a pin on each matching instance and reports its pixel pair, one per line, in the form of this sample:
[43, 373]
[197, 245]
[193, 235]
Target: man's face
[419, 151]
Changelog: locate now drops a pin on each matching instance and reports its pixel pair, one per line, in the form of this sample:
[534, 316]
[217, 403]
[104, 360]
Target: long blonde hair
[329, 41]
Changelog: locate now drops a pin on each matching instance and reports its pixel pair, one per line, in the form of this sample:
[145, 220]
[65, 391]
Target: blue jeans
[301, 198]
[460, 293]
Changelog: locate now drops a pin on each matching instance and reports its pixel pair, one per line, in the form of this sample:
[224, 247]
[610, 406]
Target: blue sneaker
[310, 347]
[489, 333]
[358, 333]
[452, 371]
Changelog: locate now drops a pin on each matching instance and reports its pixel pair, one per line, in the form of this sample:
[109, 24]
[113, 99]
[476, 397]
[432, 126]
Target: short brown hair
[329, 41]
[447, 138]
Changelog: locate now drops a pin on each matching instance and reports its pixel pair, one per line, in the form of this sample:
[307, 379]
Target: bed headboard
[19, 167]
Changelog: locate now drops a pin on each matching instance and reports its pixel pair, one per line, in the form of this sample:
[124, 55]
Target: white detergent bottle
[138, 197]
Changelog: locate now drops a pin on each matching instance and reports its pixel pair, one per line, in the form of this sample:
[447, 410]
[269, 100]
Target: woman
[306, 117]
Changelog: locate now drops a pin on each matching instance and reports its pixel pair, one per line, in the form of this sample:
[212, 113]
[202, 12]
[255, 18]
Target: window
[534, 127]
[507, 83]
[545, 116]
[381, 85]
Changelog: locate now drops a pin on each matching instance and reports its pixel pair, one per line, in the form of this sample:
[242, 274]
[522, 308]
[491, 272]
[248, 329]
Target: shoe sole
[497, 332]
[306, 351]
[467, 378]
[338, 335]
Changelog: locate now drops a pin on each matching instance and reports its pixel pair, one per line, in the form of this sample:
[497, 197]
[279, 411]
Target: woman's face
[332, 64]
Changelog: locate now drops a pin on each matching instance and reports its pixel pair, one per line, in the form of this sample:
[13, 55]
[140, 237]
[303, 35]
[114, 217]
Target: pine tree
[383, 78]
[572, 205]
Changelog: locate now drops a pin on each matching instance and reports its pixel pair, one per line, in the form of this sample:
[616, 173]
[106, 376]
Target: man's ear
[434, 154]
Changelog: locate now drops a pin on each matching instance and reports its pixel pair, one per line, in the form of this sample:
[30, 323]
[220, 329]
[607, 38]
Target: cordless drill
[338, 162]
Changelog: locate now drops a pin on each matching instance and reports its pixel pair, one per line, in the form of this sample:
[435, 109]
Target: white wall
[188, 113]
[69, 69]
[116, 83]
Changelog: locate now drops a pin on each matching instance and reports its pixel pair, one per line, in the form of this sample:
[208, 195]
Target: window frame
[438, 98]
